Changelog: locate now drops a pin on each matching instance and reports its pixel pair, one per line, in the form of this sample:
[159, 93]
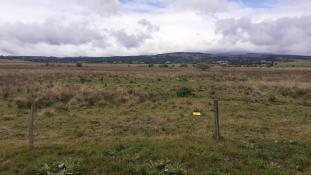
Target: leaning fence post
[217, 124]
[30, 126]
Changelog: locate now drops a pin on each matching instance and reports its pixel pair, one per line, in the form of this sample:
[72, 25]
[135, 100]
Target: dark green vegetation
[175, 58]
[137, 119]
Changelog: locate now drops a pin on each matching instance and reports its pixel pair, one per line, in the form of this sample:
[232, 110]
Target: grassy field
[298, 63]
[132, 119]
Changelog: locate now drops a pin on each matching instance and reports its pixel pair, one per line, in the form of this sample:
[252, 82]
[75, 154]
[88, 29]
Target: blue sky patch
[257, 3]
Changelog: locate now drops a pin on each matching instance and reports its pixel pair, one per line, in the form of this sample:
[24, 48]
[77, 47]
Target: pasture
[129, 119]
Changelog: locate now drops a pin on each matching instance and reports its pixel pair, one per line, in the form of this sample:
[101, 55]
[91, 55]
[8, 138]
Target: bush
[163, 66]
[22, 103]
[79, 64]
[183, 65]
[295, 92]
[183, 92]
[202, 66]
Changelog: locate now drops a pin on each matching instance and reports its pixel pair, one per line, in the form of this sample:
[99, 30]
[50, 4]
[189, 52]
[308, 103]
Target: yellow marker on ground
[197, 114]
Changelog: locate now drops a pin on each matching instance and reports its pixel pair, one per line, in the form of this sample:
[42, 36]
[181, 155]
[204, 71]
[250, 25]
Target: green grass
[194, 154]
[298, 63]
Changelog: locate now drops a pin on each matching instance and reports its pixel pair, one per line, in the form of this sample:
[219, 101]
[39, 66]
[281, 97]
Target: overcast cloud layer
[133, 27]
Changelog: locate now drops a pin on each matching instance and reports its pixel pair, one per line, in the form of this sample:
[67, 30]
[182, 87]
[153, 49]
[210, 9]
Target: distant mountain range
[173, 58]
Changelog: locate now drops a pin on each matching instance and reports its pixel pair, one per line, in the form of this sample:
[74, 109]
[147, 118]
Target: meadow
[137, 119]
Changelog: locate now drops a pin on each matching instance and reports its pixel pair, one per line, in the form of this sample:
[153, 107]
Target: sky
[136, 27]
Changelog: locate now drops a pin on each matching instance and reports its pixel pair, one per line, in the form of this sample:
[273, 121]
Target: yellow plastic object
[197, 114]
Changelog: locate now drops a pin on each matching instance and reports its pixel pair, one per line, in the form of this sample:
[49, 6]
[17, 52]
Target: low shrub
[202, 66]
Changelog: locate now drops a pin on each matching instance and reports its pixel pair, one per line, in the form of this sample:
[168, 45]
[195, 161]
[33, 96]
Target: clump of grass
[48, 112]
[164, 167]
[184, 92]
[67, 166]
[272, 98]
[5, 93]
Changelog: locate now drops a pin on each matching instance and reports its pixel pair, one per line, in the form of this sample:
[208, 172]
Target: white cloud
[136, 39]
[50, 32]
[150, 27]
[286, 35]
[112, 27]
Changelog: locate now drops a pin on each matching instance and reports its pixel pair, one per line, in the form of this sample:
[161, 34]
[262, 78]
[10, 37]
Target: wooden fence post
[30, 126]
[217, 124]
